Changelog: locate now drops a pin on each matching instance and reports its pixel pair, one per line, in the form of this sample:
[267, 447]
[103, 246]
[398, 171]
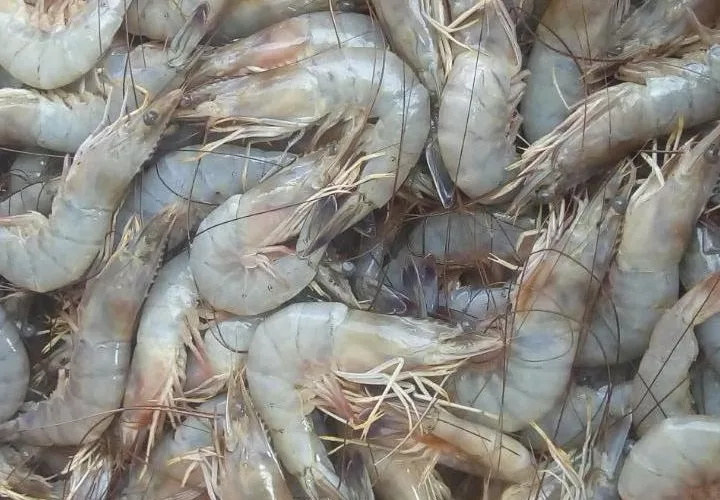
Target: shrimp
[169, 321]
[297, 353]
[16, 374]
[238, 257]
[661, 387]
[476, 305]
[477, 117]
[705, 388]
[569, 30]
[328, 89]
[614, 122]
[44, 254]
[398, 478]
[162, 21]
[202, 184]
[643, 280]
[677, 458]
[550, 304]
[77, 411]
[35, 197]
[51, 49]
[287, 42]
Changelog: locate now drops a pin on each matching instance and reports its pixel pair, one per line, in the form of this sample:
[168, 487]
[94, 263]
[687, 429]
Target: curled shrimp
[677, 458]
[51, 49]
[77, 411]
[339, 86]
[549, 306]
[16, 368]
[44, 254]
[297, 353]
[644, 279]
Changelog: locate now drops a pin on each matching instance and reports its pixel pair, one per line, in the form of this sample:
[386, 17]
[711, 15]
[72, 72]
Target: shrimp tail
[328, 218]
[188, 37]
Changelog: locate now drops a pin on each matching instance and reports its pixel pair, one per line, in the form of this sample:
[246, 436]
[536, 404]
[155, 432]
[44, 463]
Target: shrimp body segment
[297, 351]
[15, 367]
[43, 254]
[81, 409]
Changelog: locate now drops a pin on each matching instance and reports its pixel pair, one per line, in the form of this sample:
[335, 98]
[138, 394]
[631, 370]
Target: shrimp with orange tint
[81, 408]
[550, 305]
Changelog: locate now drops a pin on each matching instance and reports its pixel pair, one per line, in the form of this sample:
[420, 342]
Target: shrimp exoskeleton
[16, 367]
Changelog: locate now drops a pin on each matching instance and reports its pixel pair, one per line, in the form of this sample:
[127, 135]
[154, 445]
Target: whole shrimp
[644, 279]
[16, 368]
[676, 459]
[80, 409]
[287, 42]
[297, 353]
[44, 254]
[477, 122]
[616, 121]
[570, 34]
[346, 84]
[549, 308]
[661, 387]
[50, 49]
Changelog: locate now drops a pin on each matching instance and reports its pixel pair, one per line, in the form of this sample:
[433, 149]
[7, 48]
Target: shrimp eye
[151, 117]
[712, 154]
[620, 205]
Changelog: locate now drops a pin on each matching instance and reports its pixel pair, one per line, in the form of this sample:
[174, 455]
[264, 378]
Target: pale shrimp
[472, 305]
[571, 33]
[414, 38]
[614, 122]
[162, 21]
[644, 279]
[297, 353]
[245, 17]
[81, 407]
[200, 183]
[16, 368]
[44, 254]
[701, 259]
[287, 42]
[661, 387]
[240, 257]
[339, 86]
[50, 49]
[399, 478]
[168, 323]
[676, 459]
[705, 388]
[549, 308]
[478, 116]
[35, 197]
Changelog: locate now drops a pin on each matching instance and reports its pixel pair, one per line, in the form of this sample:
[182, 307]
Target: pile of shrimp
[359, 249]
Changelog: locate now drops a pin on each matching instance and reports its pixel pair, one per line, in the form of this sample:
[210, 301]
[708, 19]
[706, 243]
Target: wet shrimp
[614, 122]
[398, 478]
[549, 308]
[478, 116]
[339, 86]
[661, 387]
[569, 35]
[44, 254]
[297, 353]
[52, 48]
[16, 368]
[644, 278]
[287, 42]
[676, 459]
[81, 408]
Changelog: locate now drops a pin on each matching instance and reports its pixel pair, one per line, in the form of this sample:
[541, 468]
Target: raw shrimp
[81, 408]
[339, 86]
[661, 387]
[676, 459]
[239, 258]
[616, 121]
[550, 305]
[35, 197]
[475, 305]
[287, 42]
[51, 49]
[570, 33]
[161, 20]
[705, 388]
[44, 254]
[16, 368]
[202, 184]
[413, 37]
[168, 323]
[297, 352]
[701, 259]
[477, 122]
[398, 478]
[643, 281]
